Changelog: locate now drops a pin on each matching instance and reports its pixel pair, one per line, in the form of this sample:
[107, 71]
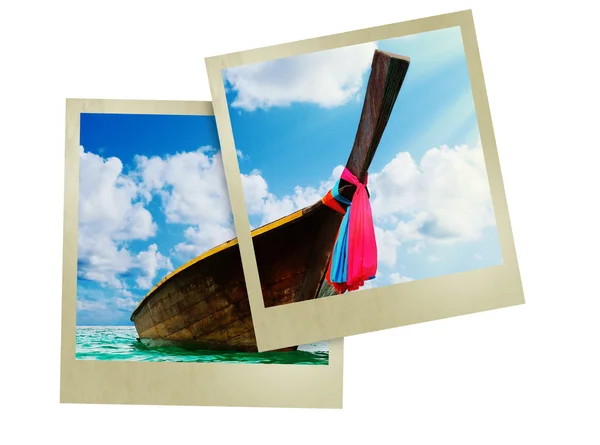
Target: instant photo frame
[390, 306]
[129, 382]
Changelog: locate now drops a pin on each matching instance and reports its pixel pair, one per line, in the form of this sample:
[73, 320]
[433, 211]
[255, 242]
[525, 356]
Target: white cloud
[101, 259]
[104, 306]
[396, 278]
[194, 192]
[393, 190]
[443, 199]
[192, 186]
[106, 200]
[274, 208]
[149, 262]
[109, 215]
[417, 247]
[90, 305]
[326, 78]
[261, 202]
[200, 239]
[255, 191]
[387, 245]
[126, 303]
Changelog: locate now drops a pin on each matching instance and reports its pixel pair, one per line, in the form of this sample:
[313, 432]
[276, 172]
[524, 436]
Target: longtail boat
[204, 303]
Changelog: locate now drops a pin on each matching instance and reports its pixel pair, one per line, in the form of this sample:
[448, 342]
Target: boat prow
[204, 303]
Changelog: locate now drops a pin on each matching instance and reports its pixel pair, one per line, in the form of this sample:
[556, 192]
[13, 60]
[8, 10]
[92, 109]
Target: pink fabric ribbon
[362, 247]
[354, 257]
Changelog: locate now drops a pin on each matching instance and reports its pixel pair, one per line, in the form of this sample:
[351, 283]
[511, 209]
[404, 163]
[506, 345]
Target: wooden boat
[204, 303]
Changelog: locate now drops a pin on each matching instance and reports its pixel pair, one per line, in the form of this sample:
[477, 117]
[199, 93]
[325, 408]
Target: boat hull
[205, 304]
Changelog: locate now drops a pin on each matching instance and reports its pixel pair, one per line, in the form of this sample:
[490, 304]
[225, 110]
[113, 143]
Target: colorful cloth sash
[354, 256]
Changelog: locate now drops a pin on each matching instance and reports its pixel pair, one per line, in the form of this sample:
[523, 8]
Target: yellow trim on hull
[219, 248]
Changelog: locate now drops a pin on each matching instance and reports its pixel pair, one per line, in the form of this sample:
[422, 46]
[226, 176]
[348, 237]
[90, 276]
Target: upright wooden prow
[204, 304]
[387, 76]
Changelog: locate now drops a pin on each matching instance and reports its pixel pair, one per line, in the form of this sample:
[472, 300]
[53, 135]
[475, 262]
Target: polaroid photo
[364, 180]
[155, 307]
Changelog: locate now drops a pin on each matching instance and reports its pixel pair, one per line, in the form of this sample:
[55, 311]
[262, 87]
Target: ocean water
[120, 343]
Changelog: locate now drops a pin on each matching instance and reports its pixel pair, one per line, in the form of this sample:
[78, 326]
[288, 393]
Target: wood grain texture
[385, 81]
[204, 305]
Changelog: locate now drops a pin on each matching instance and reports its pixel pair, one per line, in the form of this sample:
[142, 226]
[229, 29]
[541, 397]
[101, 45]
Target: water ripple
[120, 343]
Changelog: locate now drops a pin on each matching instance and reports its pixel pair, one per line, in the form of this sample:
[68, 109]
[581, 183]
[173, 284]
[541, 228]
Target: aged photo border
[389, 306]
[212, 384]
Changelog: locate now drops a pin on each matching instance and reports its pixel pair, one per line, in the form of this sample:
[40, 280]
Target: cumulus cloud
[259, 201]
[104, 306]
[101, 259]
[125, 303]
[149, 262]
[445, 198]
[193, 191]
[387, 245]
[191, 184]
[109, 215]
[106, 201]
[90, 305]
[326, 78]
[255, 191]
[199, 239]
[442, 199]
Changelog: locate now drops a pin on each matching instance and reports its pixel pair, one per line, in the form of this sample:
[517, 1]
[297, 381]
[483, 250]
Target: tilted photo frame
[252, 90]
[128, 380]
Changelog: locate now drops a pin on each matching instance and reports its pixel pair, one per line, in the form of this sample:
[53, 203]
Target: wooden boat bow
[385, 81]
[204, 303]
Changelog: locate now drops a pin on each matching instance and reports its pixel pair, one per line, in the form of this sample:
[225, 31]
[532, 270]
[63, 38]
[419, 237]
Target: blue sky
[149, 185]
[153, 192]
[294, 121]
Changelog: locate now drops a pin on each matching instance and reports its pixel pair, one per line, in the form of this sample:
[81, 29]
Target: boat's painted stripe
[278, 223]
[219, 248]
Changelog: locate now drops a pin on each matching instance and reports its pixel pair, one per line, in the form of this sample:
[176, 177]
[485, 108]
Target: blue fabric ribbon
[339, 259]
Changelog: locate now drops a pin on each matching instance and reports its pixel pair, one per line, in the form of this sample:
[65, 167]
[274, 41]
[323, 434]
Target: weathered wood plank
[386, 78]
[205, 304]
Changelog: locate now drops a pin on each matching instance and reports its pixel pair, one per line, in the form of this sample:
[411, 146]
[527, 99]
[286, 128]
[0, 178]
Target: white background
[523, 375]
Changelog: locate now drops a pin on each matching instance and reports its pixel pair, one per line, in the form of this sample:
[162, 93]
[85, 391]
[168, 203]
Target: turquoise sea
[120, 343]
